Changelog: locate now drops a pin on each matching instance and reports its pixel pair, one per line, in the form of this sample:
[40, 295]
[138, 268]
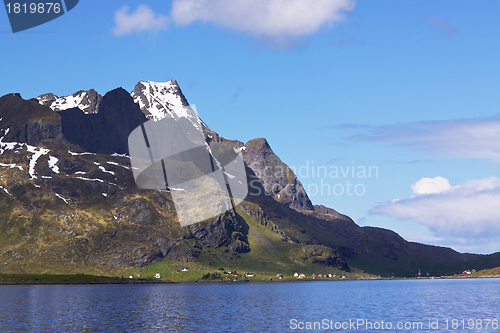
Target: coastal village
[222, 275]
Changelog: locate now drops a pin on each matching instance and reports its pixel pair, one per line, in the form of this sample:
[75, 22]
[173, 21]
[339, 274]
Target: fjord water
[252, 307]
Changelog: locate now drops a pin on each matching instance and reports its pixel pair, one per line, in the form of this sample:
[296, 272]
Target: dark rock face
[221, 231]
[107, 131]
[123, 260]
[277, 178]
[33, 133]
[240, 247]
[28, 121]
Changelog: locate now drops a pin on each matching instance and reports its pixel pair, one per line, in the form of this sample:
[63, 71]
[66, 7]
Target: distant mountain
[69, 203]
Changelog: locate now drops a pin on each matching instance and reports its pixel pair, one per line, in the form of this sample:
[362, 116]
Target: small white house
[130, 276]
[158, 276]
[185, 269]
[249, 275]
[296, 274]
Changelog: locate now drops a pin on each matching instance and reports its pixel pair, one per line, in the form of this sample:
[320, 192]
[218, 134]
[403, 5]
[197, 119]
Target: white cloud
[469, 211]
[430, 185]
[141, 20]
[458, 138]
[263, 18]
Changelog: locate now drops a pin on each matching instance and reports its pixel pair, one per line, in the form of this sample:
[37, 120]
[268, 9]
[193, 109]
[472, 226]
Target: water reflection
[245, 307]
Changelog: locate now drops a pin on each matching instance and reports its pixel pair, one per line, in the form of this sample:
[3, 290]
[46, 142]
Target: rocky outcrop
[278, 180]
[222, 230]
[325, 210]
[27, 121]
[325, 256]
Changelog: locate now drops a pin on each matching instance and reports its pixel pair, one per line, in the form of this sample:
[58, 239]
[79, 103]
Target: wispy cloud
[468, 213]
[349, 41]
[409, 162]
[275, 19]
[143, 19]
[442, 26]
[462, 138]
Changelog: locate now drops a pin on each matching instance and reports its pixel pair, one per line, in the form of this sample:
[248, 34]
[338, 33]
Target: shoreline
[81, 279]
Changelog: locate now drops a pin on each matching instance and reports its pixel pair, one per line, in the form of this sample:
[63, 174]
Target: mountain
[69, 203]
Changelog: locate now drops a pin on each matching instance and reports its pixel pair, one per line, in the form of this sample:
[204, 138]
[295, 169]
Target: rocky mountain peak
[86, 100]
[158, 100]
[278, 179]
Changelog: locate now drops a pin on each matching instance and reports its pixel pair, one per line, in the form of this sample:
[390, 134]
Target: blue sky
[408, 87]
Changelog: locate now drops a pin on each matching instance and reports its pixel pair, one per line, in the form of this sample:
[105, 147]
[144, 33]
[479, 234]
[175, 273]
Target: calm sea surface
[256, 307]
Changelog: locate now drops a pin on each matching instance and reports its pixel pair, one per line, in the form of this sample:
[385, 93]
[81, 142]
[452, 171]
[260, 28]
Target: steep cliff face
[27, 121]
[278, 179]
[107, 131]
[224, 230]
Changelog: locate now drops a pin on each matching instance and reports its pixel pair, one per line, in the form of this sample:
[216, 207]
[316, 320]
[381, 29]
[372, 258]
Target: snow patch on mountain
[119, 155]
[5, 190]
[159, 100]
[37, 153]
[79, 154]
[62, 198]
[11, 166]
[86, 100]
[6, 145]
[91, 180]
[52, 164]
[103, 169]
[123, 166]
